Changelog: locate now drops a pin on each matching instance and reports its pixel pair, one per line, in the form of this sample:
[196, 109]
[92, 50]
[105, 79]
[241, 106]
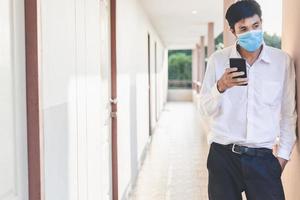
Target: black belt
[247, 150]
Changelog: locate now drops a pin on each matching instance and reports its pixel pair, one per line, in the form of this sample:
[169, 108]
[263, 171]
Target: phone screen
[239, 63]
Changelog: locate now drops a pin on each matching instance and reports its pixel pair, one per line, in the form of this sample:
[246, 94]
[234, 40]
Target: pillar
[228, 37]
[200, 51]
[194, 67]
[198, 48]
[202, 59]
[290, 44]
[210, 39]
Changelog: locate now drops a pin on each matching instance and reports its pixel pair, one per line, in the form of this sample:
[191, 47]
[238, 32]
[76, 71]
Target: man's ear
[233, 31]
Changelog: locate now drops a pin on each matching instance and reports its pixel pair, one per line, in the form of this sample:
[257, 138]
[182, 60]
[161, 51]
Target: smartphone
[239, 63]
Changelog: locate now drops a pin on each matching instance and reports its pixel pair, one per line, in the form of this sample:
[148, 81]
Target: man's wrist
[220, 87]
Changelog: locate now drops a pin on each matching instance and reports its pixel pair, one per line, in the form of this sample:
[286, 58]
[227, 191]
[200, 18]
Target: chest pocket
[270, 92]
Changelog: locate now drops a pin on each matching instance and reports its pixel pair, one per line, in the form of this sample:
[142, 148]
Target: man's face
[247, 24]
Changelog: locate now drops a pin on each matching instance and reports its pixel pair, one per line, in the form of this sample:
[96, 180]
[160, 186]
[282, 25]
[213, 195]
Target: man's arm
[288, 114]
[210, 96]
[211, 90]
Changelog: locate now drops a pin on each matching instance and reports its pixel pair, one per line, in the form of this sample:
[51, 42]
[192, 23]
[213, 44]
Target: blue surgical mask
[250, 40]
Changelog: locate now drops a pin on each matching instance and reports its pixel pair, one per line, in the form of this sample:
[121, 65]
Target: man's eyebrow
[242, 27]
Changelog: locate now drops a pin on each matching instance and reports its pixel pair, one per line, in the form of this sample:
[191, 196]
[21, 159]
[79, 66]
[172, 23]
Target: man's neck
[250, 57]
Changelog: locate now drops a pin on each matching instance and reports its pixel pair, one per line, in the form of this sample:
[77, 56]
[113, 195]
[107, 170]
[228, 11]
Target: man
[248, 120]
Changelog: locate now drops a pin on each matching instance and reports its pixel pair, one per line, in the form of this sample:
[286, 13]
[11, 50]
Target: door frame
[114, 125]
[156, 89]
[34, 147]
[149, 83]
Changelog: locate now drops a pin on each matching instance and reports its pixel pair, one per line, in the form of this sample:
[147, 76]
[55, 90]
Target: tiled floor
[175, 165]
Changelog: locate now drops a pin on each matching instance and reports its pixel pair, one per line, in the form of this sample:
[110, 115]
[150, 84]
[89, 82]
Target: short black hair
[242, 9]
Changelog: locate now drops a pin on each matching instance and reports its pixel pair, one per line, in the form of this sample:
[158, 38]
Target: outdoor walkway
[175, 165]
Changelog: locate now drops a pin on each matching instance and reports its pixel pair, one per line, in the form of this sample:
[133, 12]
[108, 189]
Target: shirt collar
[263, 54]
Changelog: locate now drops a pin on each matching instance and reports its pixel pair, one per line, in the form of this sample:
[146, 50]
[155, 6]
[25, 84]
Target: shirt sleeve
[288, 113]
[209, 97]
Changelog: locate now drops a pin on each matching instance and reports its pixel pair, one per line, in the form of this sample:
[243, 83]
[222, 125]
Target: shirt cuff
[282, 153]
[215, 92]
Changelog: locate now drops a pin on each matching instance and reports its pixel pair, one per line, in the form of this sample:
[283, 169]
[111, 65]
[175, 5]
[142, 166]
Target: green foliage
[219, 39]
[272, 40]
[180, 65]
[180, 69]
[186, 52]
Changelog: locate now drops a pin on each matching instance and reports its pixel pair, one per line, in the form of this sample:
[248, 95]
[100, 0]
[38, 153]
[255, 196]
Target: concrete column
[202, 59]
[198, 48]
[290, 44]
[194, 67]
[210, 39]
[228, 37]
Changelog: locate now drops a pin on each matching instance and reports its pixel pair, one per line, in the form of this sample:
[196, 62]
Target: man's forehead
[249, 21]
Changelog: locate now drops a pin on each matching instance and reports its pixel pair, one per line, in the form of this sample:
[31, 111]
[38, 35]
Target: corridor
[83, 83]
[175, 163]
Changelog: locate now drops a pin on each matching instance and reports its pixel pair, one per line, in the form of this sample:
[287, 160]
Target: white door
[13, 145]
[75, 91]
[93, 105]
[98, 104]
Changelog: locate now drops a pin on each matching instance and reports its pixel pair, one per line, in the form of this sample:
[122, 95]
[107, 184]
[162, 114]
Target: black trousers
[230, 174]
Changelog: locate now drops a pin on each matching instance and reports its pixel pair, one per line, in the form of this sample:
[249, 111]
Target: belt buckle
[233, 150]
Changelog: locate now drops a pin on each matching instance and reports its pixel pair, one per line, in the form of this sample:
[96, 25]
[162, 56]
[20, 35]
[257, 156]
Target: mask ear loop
[237, 40]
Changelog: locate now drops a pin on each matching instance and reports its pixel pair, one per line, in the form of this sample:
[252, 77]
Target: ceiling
[177, 26]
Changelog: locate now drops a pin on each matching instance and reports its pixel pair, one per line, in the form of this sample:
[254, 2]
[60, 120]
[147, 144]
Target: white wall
[74, 96]
[133, 27]
[180, 95]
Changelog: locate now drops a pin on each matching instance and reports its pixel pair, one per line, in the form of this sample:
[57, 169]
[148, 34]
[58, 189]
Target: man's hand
[282, 162]
[228, 79]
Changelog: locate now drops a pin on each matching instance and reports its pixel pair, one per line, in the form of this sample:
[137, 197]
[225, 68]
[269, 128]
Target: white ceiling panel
[176, 24]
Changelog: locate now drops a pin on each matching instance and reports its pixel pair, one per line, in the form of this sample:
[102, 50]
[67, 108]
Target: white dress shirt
[257, 114]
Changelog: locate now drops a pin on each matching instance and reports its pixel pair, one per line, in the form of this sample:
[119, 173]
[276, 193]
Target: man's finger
[231, 69]
[242, 83]
[238, 80]
[235, 74]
